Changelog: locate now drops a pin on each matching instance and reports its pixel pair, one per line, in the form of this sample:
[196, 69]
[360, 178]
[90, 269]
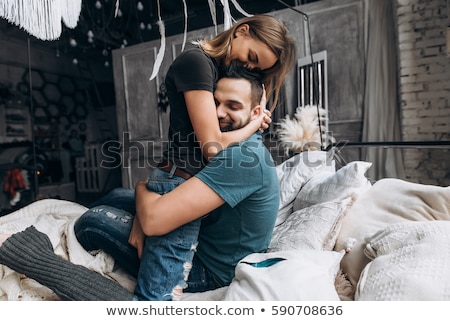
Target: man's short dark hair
[254, 76]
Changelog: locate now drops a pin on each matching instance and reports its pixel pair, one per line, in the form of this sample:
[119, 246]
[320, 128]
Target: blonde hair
[273, 34]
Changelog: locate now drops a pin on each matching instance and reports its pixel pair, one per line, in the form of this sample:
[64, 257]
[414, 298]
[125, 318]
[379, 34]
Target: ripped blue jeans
[166, 265]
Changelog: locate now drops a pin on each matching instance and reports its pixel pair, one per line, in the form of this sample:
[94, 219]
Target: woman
[259, 42]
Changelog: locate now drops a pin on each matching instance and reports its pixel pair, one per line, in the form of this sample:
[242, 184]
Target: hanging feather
[162, 48]
[212, 10]
[185, 25]
[227, 18]
[116, 11]
[239, 8]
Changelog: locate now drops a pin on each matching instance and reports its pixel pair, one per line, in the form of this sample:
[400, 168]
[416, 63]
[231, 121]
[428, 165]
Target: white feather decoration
[212, 10]
[161, 51]
[303, 132]
[162, 47]
[239, 8]
[185, 25]
[227, 18]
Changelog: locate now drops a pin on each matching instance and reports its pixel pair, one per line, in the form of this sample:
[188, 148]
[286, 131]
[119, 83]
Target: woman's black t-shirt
[193, 69]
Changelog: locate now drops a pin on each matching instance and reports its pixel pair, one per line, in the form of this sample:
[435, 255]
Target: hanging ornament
[98, 4]
[163, 100]
[185, 24]
[239, 8]
[73, 42]
[162, 48]
[90, 36]
[43, 19]
[212, 10]
[142, 26]
[227, 18]
[117, 10]
[75, 61]
[140, 6]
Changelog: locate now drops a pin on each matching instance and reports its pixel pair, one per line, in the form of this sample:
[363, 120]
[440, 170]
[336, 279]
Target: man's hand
[137, 237]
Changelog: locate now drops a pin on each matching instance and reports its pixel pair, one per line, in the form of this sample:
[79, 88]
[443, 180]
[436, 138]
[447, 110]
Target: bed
[337, 237]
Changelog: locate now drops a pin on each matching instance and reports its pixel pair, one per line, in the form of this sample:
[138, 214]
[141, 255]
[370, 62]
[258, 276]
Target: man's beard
[227, 128]
[231, 126]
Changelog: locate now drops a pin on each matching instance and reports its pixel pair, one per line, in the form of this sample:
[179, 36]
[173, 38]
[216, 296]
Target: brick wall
[424, 87]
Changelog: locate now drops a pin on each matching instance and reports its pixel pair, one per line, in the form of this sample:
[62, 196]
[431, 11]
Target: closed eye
[234, 106]
[253, 57]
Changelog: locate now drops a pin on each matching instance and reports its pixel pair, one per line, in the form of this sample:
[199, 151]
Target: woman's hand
[266, 120]
[266, 115]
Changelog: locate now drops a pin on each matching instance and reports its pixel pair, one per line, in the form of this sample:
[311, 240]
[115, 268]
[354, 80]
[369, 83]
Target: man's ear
[242, 30]
[256, 111]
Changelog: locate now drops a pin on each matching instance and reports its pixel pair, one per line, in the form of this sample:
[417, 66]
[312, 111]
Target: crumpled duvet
[54, 218]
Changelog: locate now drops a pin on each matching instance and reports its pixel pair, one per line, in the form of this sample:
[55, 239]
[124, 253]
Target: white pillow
[411, 261]
[296, 171]
[315, 227]
[307, 275]
[388, 201]
[326, 186]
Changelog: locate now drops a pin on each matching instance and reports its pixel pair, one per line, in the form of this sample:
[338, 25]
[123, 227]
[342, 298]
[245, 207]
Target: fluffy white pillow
[411, 261]
[315, 227]
[327, 186]
[307, 275]
[295, 172]
[389, 201]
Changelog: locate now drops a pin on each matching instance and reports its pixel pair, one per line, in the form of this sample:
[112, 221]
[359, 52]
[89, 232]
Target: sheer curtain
[381, 108]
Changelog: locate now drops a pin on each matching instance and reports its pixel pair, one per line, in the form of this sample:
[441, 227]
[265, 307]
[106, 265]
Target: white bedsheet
[56, 218]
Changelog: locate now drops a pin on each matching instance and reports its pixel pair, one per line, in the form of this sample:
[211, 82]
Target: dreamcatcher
[163, 100]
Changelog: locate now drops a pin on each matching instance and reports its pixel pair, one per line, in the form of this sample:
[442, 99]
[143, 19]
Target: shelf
[16, 124]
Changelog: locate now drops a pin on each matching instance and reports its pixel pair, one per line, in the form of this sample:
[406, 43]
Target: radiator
[90, 176]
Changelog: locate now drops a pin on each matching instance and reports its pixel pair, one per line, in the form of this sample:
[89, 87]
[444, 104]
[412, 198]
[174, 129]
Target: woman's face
[250, 52]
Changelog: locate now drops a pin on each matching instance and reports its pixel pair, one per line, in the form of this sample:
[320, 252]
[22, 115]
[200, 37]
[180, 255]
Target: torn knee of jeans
[105, 212]
[177, 292]
[126, 218]
[187, 266]
[178, 289]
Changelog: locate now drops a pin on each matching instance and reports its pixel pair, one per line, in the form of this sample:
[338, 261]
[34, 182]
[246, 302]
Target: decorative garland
[41, 18]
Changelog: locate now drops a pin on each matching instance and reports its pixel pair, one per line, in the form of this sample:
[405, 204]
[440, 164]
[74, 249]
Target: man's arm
[161, 214]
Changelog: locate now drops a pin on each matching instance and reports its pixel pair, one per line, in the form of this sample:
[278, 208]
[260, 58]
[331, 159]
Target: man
[236, 197]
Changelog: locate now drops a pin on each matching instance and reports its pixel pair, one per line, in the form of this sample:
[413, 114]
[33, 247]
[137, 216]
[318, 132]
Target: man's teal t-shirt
[244, 175]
